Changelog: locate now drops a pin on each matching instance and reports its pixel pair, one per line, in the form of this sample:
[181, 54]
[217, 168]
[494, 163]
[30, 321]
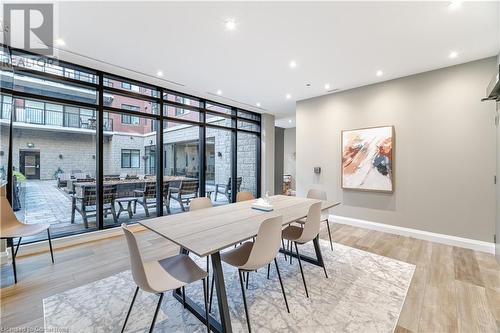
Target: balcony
[35, 116]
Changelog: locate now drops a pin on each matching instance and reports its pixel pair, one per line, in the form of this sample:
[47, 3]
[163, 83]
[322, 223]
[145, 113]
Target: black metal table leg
[317, 249]
[221, 293]
[13, 253]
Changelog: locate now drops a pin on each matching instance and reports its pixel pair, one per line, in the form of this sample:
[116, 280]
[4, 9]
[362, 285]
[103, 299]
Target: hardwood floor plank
[412, 308]
[466, 266]
[439, 310]
[474, 314]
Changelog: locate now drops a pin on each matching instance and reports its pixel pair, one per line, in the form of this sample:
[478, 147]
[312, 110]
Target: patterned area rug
[365, 292]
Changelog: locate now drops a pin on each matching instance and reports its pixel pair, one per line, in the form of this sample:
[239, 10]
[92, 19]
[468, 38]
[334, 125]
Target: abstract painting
[368, 159]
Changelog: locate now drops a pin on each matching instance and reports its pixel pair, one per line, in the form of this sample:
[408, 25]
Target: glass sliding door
[219, 161]
[181, 154]
[129, 170]
[247, 161]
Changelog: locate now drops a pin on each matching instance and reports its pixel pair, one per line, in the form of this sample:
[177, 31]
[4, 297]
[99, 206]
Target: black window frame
[160, 98]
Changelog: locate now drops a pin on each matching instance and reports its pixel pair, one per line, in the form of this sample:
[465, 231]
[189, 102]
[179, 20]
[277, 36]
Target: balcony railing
[37, 116]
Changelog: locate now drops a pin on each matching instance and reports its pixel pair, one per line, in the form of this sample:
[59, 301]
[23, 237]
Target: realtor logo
[29, 27]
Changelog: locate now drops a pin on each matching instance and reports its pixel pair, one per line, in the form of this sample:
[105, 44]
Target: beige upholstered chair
[200, 203]
[320, 195]
[251, 256]
[11, 228]
[310, 231]
[160, 276]
[244, 196]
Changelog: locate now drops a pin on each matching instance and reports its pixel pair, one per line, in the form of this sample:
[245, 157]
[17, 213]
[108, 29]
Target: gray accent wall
[445, 151]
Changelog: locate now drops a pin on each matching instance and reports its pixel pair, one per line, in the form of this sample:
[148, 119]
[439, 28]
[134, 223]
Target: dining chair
[244, 196]
[319, 195]
[251, 256]
[301, 235]
[11, 227]
[202, 203]
[160, 276]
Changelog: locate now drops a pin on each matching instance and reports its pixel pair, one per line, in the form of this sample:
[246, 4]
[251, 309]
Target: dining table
[207, 232]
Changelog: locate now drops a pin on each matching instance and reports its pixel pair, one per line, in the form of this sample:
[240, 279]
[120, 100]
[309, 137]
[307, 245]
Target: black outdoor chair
[226, 188]
[187, 190]
[86, 203]
[147, 197]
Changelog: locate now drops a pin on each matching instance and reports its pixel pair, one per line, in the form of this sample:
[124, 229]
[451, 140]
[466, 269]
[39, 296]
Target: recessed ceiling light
[379, 73]
[293, 64]
[219, 92]
[453, 5]
[230, 24]
[453, 54]
[288, 96]
[159, 73]
[258, 104]
[289, 120]
[60, 42]
[327, 86]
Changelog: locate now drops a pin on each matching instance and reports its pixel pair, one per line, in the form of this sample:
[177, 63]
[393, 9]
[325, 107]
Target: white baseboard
[58, 243]
[419, 234]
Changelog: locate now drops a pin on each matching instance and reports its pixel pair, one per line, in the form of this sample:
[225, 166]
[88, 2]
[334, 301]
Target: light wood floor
[453, 289]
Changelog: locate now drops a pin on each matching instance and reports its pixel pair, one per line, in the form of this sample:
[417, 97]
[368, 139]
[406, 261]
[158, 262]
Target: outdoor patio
[43, 202]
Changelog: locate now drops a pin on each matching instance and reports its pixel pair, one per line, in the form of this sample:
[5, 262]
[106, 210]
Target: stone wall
[78, 151]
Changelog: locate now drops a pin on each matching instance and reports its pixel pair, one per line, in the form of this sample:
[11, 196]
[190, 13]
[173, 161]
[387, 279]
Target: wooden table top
[210, 230]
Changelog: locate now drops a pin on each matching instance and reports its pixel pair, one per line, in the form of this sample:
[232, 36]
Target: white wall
[444, 152]
[289, 154]
[267, 154]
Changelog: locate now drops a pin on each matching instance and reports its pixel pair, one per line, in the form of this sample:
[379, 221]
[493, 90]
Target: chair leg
[156, 313]
[145, 205]
[301, 270]
[240, 273]
[211, 294]
[113, 213]
[284, 248]
[50, 245]
[184, 297]
[135, 206]
[268, 269]
[290, 245]
[130, 309]
[73, 208]
[205, 297]
[248, 279]
[281, 284]
[17, 247]
[329, 233]
[182, 204]
[13, 253]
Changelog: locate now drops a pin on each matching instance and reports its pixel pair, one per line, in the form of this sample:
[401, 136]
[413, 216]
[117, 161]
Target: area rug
[365, 292]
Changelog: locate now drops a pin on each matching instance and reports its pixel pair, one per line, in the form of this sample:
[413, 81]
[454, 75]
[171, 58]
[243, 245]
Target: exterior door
[30, 164]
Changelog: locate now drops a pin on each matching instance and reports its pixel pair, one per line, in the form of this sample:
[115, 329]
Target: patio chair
[226, 188]
[62, 180]
[86, 203]
[147, 197]
[187, 190]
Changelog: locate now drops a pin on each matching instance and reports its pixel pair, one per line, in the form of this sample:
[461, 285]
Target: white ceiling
[340, 43]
